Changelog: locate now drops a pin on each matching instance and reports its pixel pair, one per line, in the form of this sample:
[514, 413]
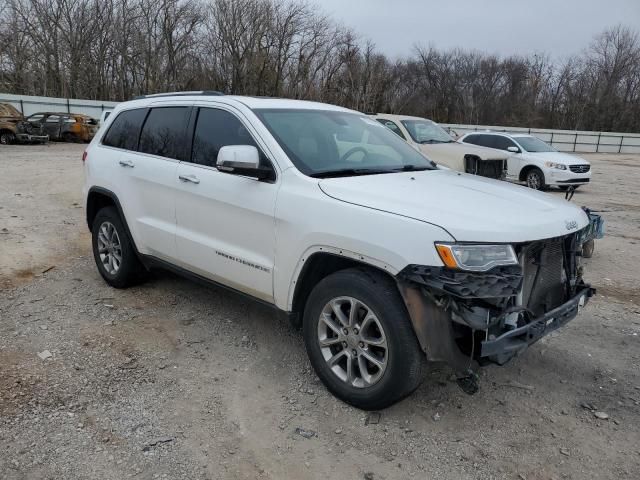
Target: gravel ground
[175, 380]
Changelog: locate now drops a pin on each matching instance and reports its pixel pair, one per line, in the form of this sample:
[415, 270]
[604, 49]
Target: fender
[339, 252]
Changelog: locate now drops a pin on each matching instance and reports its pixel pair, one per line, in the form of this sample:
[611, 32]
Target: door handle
[126, 163]
[189, 178]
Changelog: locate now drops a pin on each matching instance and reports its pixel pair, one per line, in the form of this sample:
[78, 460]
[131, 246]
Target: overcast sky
[557, 27]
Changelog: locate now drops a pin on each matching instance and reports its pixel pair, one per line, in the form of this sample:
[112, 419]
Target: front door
[225, 222]
[52, 125]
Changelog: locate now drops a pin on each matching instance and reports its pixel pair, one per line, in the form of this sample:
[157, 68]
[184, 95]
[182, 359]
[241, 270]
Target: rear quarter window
[125, 129]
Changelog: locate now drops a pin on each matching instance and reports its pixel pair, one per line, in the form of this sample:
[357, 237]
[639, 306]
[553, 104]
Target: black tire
[405, 359]
[535, 179]
[130, 270]
[587, 248]
[7, 138]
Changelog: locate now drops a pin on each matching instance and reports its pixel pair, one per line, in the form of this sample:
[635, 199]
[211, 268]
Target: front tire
[535, 179]
[7, 138]
[113, 250]
[360, 340]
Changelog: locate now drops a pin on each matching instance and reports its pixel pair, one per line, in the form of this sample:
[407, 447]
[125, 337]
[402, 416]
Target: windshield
[324, 143]
[426, 131]
[534, 145]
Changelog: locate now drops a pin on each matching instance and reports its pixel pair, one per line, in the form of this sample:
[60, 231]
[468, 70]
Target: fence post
[21, 107]
[621, 141]
[68, 106]
[575, 141]
[598, 144]
[551, 139]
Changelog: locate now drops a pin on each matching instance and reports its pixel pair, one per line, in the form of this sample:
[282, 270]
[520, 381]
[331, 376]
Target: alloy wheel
[352, 342]
[533, 180]
[109, 248]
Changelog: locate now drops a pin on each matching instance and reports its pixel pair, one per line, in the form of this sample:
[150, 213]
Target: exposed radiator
[543, 286]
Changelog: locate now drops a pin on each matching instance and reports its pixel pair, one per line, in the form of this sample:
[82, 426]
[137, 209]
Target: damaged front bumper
[29, 138]
[466, 319]
[504, 347]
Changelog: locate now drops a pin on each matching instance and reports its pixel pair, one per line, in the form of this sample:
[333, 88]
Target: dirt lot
[175, 380]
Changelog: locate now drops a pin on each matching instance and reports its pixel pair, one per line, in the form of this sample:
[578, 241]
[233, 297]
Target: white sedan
[533, 161]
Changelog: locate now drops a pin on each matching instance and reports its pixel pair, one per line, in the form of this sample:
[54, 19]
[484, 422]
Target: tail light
[84, 156]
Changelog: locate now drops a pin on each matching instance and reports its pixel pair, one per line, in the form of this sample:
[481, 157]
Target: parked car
[432, 140]
[14, 129]
[384, 258]
[533, 161]
[68, 127]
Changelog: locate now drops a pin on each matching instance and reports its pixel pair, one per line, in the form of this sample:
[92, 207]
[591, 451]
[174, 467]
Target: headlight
[559, 166]
[477, 258]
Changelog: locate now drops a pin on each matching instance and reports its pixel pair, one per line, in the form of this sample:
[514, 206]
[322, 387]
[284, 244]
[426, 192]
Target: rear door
[225, 222]
[152, 143]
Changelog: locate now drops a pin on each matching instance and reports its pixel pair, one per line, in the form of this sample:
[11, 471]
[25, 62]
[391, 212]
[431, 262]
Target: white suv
[533, 161]
[385, 259]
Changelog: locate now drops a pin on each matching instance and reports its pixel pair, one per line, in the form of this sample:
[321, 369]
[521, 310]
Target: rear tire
[113, 250]
[387, 337]
[535, 179]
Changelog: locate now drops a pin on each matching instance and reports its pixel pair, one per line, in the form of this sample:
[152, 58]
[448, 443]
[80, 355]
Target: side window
[52, 119]
[501, 143]
[36, 118]
[473, 139]
[215, 129]
[164, 132]
[391, 126]
[125, 129]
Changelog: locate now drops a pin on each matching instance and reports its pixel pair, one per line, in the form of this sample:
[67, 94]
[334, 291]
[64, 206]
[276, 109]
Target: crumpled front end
[468, 318]
[28, 132]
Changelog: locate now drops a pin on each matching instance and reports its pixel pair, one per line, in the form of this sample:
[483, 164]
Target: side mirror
[513, 149]
[242, 160]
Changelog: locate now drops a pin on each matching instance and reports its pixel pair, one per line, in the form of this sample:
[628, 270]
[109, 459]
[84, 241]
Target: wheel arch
[99, 198]
[525, 170]
[320, 262]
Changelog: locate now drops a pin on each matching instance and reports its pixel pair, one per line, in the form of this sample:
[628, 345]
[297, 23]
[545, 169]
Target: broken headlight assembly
[559, 166]
[476, 258]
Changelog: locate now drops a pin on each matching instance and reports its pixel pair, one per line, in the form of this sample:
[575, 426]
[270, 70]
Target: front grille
[543, 288]
[580, 168]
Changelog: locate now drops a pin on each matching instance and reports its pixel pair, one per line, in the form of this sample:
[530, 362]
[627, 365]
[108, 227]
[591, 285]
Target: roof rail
[180, 94]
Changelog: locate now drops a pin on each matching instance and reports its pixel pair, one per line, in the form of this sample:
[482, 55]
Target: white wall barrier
[29, 104]
[564, 140]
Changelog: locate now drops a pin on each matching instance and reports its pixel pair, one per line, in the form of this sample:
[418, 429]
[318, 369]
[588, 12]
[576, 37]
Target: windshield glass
[329, 143]
[426, 131]
[534, 145]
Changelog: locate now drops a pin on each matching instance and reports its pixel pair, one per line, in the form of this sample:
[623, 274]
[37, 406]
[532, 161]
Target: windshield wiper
[413, 168]
[349, 172]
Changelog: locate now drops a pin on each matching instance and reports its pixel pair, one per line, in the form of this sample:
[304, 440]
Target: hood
[469, 207]
[459, 150]
[8, 111]
[557, 157]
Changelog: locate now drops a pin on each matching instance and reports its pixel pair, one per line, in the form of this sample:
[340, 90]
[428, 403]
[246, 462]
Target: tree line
[116, 49]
